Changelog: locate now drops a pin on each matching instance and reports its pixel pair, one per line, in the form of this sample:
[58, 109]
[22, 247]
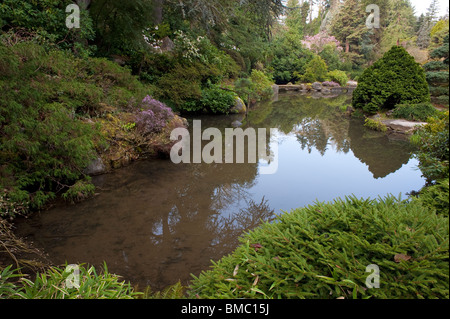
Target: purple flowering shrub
[154, 117]
[330, 84]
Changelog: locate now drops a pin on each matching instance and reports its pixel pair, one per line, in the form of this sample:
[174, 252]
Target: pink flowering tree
[317, 42]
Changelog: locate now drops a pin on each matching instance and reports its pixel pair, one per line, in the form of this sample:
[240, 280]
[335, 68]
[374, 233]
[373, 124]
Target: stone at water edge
[317, 86]
[96, 167]
[239, 106]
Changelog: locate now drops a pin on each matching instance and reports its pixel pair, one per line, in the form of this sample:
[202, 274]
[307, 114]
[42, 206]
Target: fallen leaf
[256, 281]
[235, 270]
[400, 257]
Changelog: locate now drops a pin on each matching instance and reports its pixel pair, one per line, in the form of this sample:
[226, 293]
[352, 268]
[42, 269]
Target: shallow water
[155, 222]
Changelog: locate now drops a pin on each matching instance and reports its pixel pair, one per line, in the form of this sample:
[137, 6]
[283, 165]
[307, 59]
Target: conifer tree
[437, 73]
[395, 78]
[348, 25]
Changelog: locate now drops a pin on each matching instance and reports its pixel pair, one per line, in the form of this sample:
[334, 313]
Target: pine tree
[295, 19]
[348, 26]
[423, 35]
[437, 73]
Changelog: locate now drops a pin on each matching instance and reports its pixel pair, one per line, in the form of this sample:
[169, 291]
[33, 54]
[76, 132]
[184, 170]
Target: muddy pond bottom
[155, 223]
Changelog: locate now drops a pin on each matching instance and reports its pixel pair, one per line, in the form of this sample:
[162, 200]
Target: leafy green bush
[437, 77]
[338, 76]
[436, 197]
[216, 100]
[394, 79]
[322, 251]
[185, 82]
[433, 148]
[52, 285]
[439, 90]
[213, 100]
[46, 140]
[375, 125]
[316, 70]
[415, 112]
[45, 22]
[289, 59]
[261, 85]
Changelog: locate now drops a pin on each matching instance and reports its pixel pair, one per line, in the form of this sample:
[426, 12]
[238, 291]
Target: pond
[155, 222]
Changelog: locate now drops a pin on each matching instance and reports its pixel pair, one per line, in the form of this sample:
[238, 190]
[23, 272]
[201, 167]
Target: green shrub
[216, 100]
[375, 125]
[443, 99]
[316, 70]
[436, 197]
[261, 85]
[289, 59]
[435, 66]
[322, 251]
[257, 87]
[437, 77]
[394, 79]
[185, 82]
[52, 285]
[415, 112]
[433, 148]
[213, 100]
[44, 22]
[338, 76]
[439, 90]
[46, 140]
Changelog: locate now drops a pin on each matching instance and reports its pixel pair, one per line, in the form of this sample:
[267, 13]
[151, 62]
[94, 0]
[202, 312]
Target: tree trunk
[158, 11]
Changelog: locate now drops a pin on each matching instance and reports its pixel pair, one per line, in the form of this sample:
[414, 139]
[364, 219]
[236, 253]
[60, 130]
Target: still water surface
[155, 222]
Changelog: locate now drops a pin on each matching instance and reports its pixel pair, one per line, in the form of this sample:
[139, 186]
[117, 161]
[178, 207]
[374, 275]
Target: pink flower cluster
[330, 84]
[317, 42]
[154, 117]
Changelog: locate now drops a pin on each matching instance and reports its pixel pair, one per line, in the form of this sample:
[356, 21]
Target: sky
[422, 5]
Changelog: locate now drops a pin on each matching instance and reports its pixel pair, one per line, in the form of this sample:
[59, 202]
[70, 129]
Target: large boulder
[167, 45]
[96, 167]
[317, 86]
[352, 84]
[276, 89]
[402, 126]
[239, 106]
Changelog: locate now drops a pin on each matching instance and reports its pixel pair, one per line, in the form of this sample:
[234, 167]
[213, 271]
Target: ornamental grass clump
[154, 116]
[323, 251]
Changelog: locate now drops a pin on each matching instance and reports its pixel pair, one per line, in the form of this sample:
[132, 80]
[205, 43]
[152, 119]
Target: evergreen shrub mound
[394, 79]
[436, 196]
[432, 142]
[322, 251]
[415, 112]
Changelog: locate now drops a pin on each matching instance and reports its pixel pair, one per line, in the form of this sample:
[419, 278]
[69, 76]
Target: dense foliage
[322, 251]
[46, 140]
[52, 285]
[433, 144]
[394, 79]
[415, 112]
[64, 102]
[437, 73]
